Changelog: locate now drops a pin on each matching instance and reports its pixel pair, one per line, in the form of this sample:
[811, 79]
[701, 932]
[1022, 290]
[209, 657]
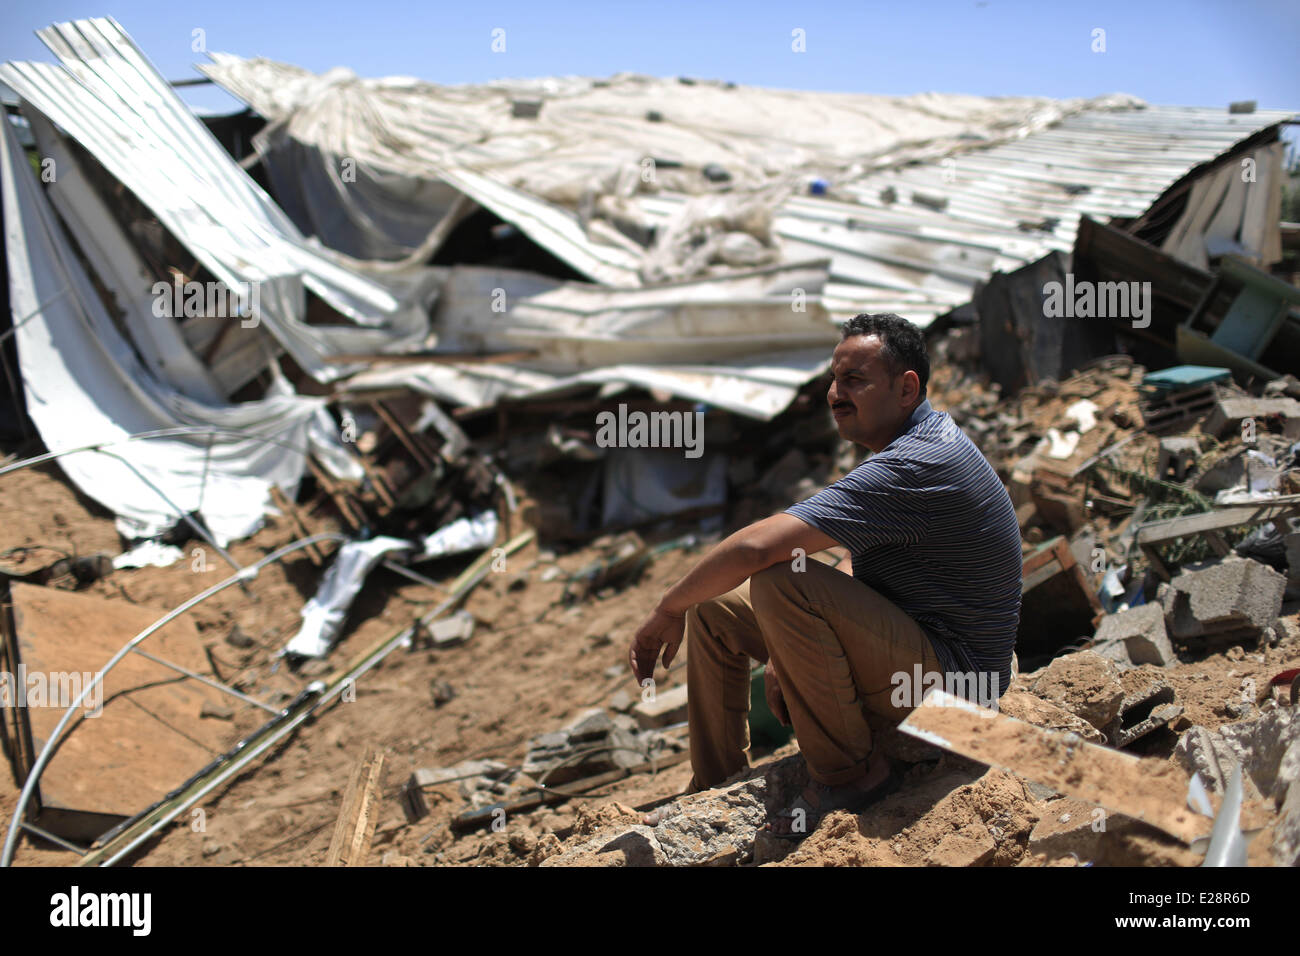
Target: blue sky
[1190, 52]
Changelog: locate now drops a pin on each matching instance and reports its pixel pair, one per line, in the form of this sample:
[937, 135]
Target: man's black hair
[902, 344]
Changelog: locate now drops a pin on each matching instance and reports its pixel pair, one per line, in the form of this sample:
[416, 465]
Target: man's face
[869, 409]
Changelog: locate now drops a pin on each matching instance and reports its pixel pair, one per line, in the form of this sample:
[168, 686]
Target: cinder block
[1142, 631]
[1237, 595]
[1227, 415]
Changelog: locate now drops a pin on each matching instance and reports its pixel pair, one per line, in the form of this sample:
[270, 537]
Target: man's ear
[910, 392]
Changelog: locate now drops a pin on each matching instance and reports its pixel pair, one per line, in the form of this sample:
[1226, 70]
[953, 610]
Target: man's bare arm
[748, 551]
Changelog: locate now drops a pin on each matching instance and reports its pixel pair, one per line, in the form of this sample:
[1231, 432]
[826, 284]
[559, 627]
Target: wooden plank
[355, 827]
[1144, 788]
[1168, 529]
[293, 514]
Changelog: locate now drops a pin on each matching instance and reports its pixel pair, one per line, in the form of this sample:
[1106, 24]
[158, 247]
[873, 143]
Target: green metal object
[1185, 376]
[764, 729]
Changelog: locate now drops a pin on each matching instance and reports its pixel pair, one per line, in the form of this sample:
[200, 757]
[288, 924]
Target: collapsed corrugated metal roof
[911, 222]
[915, 240]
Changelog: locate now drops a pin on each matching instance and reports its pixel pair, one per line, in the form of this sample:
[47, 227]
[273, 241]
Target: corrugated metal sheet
[108, 97]
[921, 261]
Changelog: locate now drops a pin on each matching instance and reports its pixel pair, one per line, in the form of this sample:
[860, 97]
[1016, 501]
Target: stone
[1230, 600]
[1085, 684]
[442, 692]
[1141, 631]
[237, 638]
[667, 707]
[621, 702]
[452, 630]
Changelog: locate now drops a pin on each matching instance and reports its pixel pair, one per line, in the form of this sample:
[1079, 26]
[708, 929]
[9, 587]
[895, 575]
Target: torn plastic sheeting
[463, 534]
[645, 483]
[85, 385]
[323, 615]
[153, 554]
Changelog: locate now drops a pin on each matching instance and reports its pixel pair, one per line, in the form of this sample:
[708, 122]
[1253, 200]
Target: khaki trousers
[836, 644]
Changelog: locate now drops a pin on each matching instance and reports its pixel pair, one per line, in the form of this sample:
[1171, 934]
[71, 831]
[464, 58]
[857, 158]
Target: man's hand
[661, 629]
[772, 692]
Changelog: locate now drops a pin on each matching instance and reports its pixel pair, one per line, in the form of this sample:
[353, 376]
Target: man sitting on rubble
[931, 586]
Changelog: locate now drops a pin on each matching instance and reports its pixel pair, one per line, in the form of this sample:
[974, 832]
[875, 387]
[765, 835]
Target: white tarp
[84, 385]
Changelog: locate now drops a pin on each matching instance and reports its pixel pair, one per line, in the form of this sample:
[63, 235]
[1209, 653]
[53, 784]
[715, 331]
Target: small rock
[216, 711]
[442, 692]
[237, 638]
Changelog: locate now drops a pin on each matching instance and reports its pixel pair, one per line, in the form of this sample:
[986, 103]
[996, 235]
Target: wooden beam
[355, 827]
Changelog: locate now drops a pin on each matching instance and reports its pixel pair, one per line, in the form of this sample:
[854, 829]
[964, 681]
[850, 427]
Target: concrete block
[1227, 415]
[668, 707]
[1236, 596]
[1141, 630]
[1178, 454]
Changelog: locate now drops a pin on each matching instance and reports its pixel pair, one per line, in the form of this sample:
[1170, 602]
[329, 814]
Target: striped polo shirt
[932, 529]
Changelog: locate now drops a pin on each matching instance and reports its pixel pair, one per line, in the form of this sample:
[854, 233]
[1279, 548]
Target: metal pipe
[176, 432]
[45, 834]
[205, 680]
[47, 752]
[201, 531]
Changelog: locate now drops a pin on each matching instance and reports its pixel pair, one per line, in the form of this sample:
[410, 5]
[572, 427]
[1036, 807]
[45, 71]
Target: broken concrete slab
[1070, 826]
[714, 827]
[1148, 705]
[1141, 632]
[1085, 684]
[1267, 748]
[1033, 709]
[594, 743]
[1229, 601]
